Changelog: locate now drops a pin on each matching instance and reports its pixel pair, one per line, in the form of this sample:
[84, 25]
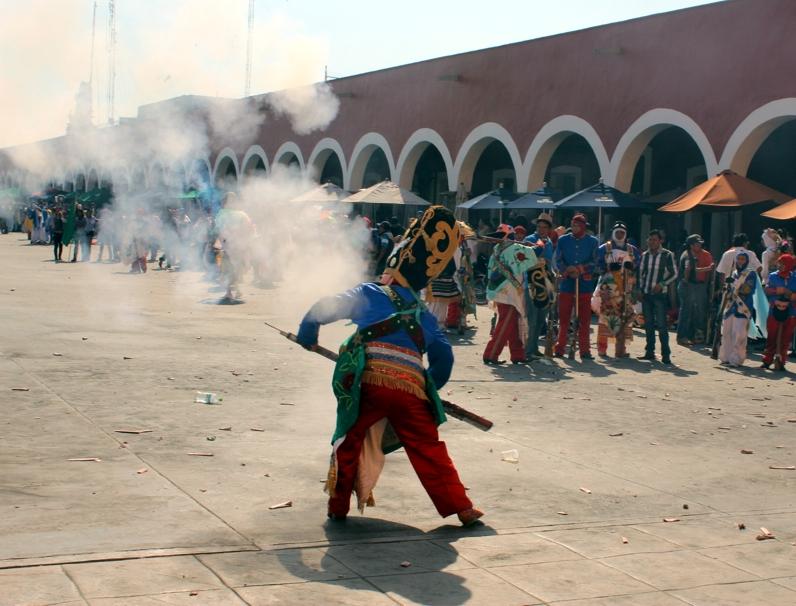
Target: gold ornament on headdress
[437, 258]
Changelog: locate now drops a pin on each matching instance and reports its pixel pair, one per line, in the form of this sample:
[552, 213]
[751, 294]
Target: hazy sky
[167, 48]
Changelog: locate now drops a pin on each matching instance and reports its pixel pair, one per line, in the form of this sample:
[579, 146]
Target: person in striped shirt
[656, 271]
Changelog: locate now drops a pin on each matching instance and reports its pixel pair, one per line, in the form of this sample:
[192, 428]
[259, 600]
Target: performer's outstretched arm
[328, 310]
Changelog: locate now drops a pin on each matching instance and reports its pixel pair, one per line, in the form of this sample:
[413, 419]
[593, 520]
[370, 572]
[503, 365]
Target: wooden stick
[452, 409]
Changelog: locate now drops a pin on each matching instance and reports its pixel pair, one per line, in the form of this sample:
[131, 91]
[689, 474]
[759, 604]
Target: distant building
[653, 105]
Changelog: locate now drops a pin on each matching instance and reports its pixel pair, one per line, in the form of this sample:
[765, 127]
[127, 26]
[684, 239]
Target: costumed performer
[541, 285]
[576, 260]
[614, 297]
[781, 293]
[236, 233]
[505, 291]
[442, 292]
[385, 396]
[736, 321]
[465, 279]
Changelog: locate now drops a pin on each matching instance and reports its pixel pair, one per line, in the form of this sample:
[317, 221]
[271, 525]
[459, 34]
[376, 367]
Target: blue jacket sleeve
[327, 310]
[558, 258]
[590, 266]
[439, 351]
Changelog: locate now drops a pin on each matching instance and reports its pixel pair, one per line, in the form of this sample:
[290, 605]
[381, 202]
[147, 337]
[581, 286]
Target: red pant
[454, 315]
[772, 326]
[411, 419]
[507, 330]
[566, 301]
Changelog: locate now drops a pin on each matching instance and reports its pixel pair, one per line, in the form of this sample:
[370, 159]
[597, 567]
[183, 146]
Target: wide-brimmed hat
[694, 239]
[545, 217]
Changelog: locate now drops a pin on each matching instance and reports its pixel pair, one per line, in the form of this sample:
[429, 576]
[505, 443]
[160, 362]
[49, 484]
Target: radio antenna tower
[111, 60]
[93, 36]
[91, 66]
[248, 85]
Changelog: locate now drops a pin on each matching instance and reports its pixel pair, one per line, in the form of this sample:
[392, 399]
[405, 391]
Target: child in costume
[781, 293]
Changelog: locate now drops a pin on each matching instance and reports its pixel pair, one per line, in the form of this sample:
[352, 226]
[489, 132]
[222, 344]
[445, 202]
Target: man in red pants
[781, 293]
[576, 260]
[380, 379]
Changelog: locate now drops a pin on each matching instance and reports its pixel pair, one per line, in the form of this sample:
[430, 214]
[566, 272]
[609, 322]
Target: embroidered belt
[396, 367]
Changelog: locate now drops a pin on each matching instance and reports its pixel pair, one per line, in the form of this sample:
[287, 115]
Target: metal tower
[91, 67]
[111, 60]
[248, 84]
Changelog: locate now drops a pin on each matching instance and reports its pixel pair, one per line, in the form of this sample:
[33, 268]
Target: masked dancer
[735, 322]
[506, 293]
[381, 384]
[617, 260]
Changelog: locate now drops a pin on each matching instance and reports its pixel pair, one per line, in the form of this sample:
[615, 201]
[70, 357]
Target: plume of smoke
[308, 108]
[310, 251]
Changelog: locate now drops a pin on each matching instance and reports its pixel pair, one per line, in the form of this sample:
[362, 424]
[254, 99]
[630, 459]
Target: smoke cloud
[308, 108]
[164, 50]
[191, 53]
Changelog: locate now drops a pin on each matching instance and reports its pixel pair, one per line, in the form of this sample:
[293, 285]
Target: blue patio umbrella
[488, 201]
[600, 196]
[542, 199]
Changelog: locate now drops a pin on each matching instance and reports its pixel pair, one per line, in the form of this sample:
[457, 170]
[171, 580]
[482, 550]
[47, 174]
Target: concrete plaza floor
[607, 452]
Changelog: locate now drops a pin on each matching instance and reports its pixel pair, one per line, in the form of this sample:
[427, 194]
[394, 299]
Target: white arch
[475, 143]
[226, 154]
[170, 175]
[547, 141]
[189, 167]
[320, 154]
[641, 132]
[154, 172]
[753, 131]
[255, 151]
[288, 147]
[82, 172]
[414, 147]
[363, 150]
[121, 178]
[92, 176]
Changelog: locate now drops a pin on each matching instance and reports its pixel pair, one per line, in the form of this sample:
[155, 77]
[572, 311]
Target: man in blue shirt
[781, 293]
[576, 260]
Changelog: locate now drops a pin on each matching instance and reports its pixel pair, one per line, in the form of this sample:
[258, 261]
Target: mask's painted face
[578, 228]
[619, 235]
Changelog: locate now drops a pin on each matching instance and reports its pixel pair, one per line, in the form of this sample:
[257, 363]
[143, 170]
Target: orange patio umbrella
[783, 212]
[726, 190]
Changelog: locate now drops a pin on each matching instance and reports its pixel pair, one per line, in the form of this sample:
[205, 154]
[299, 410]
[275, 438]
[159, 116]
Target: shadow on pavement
[590, 367]
[399, 559]
[758, 373]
